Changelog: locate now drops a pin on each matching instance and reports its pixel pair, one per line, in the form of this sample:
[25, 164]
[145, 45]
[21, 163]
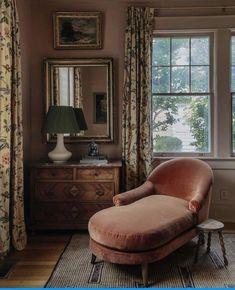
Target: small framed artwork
[77, 30]
[100, 108]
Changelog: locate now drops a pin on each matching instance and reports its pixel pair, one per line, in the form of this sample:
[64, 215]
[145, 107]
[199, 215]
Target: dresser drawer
[95, 174]
[54, 173]
[65, 196]
[72, 213]
[72, 191]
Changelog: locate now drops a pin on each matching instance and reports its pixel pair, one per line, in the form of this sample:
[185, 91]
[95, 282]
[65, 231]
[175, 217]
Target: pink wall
[37, 39]
[37, 43]
[42, 47]
[24, 11]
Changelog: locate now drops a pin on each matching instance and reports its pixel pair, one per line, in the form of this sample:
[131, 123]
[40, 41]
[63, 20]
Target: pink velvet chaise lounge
[151, 221]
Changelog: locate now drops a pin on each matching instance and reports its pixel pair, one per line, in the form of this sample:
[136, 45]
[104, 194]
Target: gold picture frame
[77, 30]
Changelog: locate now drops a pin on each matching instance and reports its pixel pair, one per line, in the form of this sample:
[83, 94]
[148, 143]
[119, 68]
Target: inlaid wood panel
[65, 196]
[74, 191]
[95, 174]
[54, 173]
[66, 215]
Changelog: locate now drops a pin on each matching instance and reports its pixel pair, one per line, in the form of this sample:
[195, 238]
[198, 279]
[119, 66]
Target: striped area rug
[74, 269]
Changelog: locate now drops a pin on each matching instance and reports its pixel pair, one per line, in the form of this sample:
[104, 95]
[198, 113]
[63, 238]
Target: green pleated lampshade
[60, 120]
[80, 118]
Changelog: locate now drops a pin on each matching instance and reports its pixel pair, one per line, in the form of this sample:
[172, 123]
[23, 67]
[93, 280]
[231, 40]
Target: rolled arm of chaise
[197, 201]
[135, 194]
[202, 193]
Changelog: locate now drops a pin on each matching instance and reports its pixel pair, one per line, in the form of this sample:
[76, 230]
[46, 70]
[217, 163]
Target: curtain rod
[196, 7]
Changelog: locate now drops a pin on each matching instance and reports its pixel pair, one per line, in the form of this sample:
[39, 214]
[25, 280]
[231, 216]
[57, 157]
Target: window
[233, 88]
[181, 94]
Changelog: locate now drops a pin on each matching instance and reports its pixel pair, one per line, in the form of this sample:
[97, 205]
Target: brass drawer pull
[99, 192]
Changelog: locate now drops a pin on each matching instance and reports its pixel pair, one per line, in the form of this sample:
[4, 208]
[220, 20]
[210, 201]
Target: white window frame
[193, 33]
[232, 93]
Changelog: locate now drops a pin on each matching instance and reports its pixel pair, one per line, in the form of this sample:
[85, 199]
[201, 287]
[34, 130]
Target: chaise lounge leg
[144, 269]
[93, 257]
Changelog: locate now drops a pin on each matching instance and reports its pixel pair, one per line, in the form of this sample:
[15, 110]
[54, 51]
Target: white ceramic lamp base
[60, 154]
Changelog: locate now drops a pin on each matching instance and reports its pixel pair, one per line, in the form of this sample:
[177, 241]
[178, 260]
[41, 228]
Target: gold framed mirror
[85, 83]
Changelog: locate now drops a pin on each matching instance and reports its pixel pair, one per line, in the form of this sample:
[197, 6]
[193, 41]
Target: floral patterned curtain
[136, 126]
[12, 225]
[56, 86]
[78, 101]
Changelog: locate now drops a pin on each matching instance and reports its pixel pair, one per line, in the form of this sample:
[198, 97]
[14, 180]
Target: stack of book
[99, 159]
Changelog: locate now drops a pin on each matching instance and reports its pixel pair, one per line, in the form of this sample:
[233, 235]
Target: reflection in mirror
[86, 84]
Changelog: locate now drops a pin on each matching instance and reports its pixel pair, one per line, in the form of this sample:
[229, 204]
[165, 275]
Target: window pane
[161, 51]
[200, 79]
[200, 51]
[180, 51]
[233, 88]
[180, 79]
[161, 80]
[181, 123]
[64, 80]
[233, 120]
[233, 79]
[233, 50]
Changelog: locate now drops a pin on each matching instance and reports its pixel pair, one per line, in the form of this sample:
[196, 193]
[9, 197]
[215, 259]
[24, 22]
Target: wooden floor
[36, 263]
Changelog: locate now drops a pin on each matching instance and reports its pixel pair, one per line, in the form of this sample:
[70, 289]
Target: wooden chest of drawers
[65, 196]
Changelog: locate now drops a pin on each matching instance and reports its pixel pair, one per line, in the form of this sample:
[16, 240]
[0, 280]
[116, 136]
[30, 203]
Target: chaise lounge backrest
[185, 178]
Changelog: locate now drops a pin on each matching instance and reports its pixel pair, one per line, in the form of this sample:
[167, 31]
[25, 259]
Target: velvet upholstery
[131, 258]
[186, 178]
[135, 194]
[138, 231]
[151, 221]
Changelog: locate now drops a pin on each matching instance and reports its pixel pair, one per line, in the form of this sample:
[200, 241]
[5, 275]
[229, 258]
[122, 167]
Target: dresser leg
[93, 258]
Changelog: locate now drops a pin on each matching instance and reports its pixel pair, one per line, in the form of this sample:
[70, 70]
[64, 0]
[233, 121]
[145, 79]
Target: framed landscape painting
[77, 30]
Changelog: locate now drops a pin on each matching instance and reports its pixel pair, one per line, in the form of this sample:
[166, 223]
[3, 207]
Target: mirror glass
[86, 84]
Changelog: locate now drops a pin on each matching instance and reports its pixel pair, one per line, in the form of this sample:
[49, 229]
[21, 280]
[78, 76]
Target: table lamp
[60, 120]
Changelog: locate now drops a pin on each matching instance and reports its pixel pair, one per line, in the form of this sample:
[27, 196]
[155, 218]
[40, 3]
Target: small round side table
[210, 226]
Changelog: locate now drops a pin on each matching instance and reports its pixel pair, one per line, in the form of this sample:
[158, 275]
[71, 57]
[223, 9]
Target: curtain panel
[78, 98]
[12, 224]
[136, 125]
[56, 86]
